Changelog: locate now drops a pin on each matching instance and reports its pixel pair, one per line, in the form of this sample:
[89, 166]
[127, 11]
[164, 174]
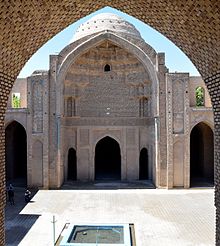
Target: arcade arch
[201, 155]
[16, 154]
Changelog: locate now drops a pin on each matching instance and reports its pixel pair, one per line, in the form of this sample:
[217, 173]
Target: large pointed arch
[123, 43]
[107, 159]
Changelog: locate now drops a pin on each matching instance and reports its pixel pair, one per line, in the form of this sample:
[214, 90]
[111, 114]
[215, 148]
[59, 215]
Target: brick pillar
[2, 178]
[213, 84]
[6, 83]
[2, 189]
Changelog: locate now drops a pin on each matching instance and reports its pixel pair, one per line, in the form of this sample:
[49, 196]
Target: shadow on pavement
[17, 225]
[107, 185]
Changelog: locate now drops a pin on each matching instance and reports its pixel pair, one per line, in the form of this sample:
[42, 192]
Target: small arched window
[200, 96]
[107, 68]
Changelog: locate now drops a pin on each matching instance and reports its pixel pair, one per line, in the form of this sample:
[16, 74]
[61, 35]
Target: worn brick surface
[194, 26]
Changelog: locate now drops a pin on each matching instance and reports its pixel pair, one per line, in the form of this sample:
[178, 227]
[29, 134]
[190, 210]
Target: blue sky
[176, 60]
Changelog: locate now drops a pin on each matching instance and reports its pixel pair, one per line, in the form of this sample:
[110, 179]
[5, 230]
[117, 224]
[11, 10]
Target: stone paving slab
[160, 217]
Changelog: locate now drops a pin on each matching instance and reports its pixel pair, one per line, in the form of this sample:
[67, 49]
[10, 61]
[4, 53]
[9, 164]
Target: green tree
[200, 96]
[16, 101]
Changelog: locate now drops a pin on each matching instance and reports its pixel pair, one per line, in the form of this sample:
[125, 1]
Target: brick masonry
[194, 26]
[213, 87]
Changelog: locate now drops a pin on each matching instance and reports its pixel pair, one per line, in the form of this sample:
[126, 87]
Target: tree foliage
[16, 101]
[200, 96]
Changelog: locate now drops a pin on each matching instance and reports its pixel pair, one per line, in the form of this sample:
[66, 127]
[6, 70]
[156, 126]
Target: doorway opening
[201, 156]
[72, 169]
[143, 164]
[16, 154]
[107, 160]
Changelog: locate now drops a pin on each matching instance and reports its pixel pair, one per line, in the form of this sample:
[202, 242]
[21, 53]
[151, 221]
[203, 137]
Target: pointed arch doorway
[201, 155]
[16, 154]
[107, 159]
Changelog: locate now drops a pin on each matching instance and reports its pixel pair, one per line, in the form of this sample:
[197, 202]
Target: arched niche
[178, 164]
[71, 165]
[37, 164]
[143, 164]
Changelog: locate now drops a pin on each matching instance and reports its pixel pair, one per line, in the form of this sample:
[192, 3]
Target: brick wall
[6, 82]
[192, 25]
[92, 87]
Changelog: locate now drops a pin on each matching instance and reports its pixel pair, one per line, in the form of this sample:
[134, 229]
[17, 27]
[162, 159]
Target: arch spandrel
[207, 122]
[9, 122]
[109, 135]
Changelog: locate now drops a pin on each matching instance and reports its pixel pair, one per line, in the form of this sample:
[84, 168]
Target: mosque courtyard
[160, 216]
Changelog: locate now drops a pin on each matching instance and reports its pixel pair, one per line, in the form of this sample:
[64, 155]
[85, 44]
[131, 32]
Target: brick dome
[106, 22]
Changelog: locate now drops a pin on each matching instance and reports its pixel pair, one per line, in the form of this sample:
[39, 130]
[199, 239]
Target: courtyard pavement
[160, 216]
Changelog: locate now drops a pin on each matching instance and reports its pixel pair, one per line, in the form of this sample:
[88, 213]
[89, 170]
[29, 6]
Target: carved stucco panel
[37, 105]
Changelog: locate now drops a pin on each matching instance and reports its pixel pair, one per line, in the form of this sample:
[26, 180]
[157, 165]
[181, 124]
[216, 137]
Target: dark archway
[16, 154]
[107, 159]
[72, 169]
[201, 155]
[143, 164]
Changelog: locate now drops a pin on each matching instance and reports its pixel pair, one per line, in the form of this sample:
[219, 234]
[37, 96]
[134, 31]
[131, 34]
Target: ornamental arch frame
[104, 136]
[205, 121]
[123, 43]
[8, 122]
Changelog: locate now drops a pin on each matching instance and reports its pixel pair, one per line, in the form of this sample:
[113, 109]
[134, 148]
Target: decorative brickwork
[193, 26]
[213, 83]
[6, 84]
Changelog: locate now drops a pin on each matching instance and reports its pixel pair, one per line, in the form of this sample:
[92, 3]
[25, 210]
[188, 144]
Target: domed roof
[106, 21]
